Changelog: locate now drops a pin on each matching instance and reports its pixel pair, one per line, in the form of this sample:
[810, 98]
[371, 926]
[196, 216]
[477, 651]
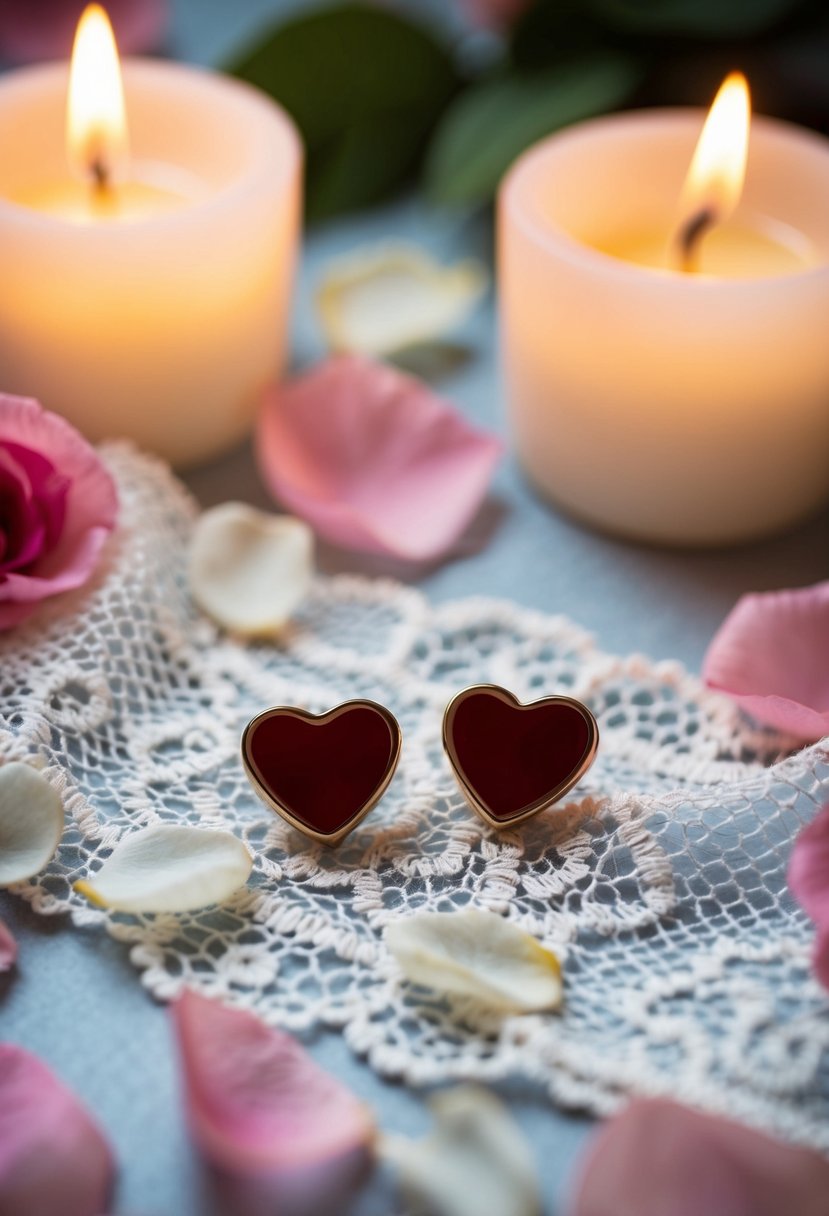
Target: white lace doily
[661, 884]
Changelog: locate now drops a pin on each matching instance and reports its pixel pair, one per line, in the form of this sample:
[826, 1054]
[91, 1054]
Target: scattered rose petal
[388, 298]
[53, 1157]
[169, 868]
[808, 879]
[479, 955]
[809, 869]
[658, 1158]
[31, 822]
[45, 29]
[59, 504]
[250, 570]
[374, 460]
[257, 1102]
[475, 1163]
[8, 948]
[495, 14]
[771, 655]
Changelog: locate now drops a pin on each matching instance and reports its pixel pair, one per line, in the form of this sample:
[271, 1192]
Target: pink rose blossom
[31, 30]
[57, 506]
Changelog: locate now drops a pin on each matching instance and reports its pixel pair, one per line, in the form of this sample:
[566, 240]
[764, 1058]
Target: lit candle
[148, 232]
[664, 348]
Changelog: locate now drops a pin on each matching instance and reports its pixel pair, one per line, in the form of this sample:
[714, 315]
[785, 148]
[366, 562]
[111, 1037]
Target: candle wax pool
[730, 251]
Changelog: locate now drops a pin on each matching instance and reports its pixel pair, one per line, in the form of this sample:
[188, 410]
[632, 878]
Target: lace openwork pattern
[661, 883]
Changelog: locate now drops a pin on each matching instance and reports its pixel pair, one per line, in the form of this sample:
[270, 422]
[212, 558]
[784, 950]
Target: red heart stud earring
[322, 772]
[513, 760]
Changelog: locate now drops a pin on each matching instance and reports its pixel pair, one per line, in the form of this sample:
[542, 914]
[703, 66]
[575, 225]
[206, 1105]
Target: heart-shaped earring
[322, 772]
[513, 760]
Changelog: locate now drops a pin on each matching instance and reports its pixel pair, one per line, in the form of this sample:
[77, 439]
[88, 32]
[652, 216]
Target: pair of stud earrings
[323, 773]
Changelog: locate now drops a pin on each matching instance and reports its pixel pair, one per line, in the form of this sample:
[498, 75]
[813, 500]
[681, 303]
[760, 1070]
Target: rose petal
[91, 504]
[248, 570]
[771, 655]
[479, 955]
[53, 1157]
[661, 1159]
[808, 875]
[382, 300]
[257, 1102]
[31, 822]
[475, 1163]
[169, 868]
[8, 948]
[373, 460]
[44, 29]
[820, 957]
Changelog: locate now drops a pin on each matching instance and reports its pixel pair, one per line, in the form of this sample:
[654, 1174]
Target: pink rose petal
[658, 1158]
[54, 1160]
[257, 1102]
[495, 14]
[8, 948]
[48, 462]
[771, 654]
[45, 29]
[373, 459]
[808, 874]
[820, 957]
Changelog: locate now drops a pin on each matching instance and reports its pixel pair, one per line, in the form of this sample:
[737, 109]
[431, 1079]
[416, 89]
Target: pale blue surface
[77, 1001]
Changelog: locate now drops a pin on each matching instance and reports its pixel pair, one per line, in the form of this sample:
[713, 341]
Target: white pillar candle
[156, 309]
[669, 407]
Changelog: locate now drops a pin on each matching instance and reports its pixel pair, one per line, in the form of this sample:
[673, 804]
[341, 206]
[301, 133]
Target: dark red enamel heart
[324, 772]
[513, 760]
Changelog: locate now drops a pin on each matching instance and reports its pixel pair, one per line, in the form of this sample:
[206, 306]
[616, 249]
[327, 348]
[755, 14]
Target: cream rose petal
[167, 868]
[249, 569]
[479, 955]
[475, 1163]
[388, 298]
[31, 822]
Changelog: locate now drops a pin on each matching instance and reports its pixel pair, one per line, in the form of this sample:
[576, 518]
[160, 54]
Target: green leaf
[694, 18]
[490, 125]
[365, 87]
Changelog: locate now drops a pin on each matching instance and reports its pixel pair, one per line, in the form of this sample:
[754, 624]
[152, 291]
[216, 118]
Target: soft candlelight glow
[96, 120]
[715, 179]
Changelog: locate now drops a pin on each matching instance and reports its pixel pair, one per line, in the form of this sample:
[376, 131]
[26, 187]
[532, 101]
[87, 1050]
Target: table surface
[75, 998]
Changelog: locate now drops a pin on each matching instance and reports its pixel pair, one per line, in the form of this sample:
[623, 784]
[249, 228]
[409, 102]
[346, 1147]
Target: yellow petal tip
[88, 891]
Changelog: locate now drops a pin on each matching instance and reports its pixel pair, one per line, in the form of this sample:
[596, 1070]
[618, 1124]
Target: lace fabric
[661, 882]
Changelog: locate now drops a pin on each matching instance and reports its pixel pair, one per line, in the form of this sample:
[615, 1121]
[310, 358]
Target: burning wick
[689, 238]
[96, 130]
[715, 179]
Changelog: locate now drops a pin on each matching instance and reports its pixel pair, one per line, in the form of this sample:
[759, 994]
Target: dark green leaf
[694, 18]
[488, 126]
[365, 88]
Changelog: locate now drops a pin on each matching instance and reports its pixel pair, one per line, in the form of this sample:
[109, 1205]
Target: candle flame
[96, 122]
[715, 179]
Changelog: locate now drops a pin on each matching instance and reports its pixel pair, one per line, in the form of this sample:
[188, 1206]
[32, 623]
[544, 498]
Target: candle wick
[100, 175]
[690, 237]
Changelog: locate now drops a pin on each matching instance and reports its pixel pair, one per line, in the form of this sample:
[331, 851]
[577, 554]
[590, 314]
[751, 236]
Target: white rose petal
[250, 570]
[479, 955]
[31, 822]
[167, 868]
[391, 297]
[475, 1163]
